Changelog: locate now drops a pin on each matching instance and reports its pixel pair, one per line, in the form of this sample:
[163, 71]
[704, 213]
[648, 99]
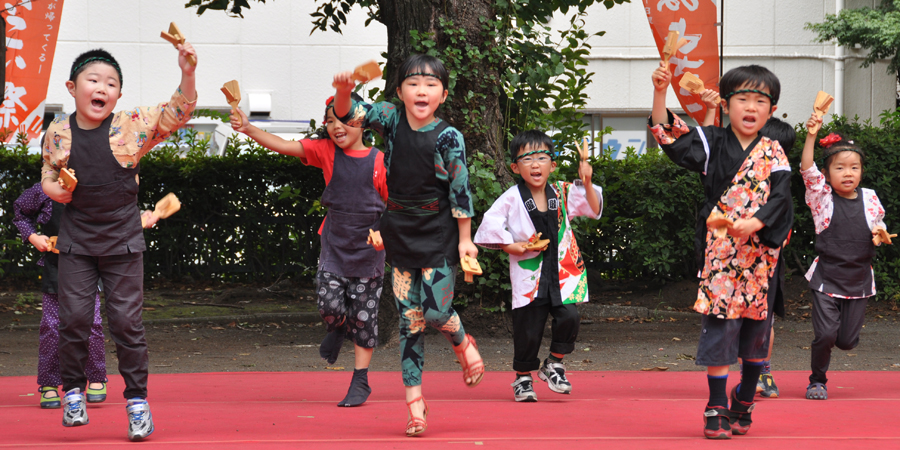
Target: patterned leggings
[424, 296]
[351, 303]
[48, 349]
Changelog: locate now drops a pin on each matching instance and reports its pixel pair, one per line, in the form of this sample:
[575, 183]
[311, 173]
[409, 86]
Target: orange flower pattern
[735, 277]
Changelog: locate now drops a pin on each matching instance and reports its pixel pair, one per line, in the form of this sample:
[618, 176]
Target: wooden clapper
[693, 84]
[821, 107]
[175, 37]
[470, 267]
[164, 208]
[232, 92]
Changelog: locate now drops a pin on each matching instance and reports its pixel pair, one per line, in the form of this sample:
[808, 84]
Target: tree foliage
[875, 29]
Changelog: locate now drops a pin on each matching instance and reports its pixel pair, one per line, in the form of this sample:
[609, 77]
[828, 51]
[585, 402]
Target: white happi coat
[508, 222]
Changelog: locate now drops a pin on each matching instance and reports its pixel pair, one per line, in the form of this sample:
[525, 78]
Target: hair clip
[830, 140]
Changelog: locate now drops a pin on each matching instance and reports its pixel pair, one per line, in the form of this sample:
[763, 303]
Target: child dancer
[34, 208]
[100, 235]
[841, 277]
[427, 225]
[746, 177]
[350, 272]
[544, 281]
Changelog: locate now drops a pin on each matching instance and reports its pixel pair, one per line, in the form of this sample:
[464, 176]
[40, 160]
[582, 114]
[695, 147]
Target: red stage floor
[606, 410]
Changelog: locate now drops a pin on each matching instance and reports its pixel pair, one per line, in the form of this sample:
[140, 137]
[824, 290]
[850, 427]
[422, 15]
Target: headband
[424, 74]
[745, 91]
[552, 157]
[97, 58]
[833, 138]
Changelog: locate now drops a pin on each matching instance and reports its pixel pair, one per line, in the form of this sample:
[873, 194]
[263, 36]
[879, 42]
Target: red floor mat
[606, 410]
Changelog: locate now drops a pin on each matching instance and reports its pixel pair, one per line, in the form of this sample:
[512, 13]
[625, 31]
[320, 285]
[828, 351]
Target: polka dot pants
[48, 349]
[352, 302]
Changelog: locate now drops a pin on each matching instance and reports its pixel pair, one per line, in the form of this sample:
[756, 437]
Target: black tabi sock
[717, 394]
[331, 345]
[359, 389]
[747, 389]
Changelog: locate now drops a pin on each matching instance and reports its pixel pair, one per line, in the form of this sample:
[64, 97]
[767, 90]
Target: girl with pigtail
[847, 220]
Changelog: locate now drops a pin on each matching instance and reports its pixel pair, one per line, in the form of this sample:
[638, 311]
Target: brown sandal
[475, 371]
[415, 422]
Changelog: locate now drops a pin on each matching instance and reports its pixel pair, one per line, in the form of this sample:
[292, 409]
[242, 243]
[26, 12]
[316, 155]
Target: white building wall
[271, 51]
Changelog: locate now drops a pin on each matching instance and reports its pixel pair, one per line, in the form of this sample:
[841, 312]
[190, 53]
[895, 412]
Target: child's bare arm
[745, 227]
[343, 84]
[806, 160]
[188, 80]
[585, 171]
[268, 140]
[661, 79]
[516, 248]
[466, 246]
[708, 97]
[55, 191]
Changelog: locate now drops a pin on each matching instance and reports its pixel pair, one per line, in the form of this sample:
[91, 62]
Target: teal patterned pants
[424, 296]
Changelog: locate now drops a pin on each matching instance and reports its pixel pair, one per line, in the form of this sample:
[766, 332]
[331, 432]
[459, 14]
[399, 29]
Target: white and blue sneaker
[523, 390]
[554, 374]
[140, 421]
[74, 409]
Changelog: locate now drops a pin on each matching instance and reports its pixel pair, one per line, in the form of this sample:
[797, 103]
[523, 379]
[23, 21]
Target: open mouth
[749, 121]
[97, 103]
[340, 136]
[421, 104]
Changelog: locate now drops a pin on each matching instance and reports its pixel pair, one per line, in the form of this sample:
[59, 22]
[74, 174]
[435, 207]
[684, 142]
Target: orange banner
[31, 31]
[695, 20]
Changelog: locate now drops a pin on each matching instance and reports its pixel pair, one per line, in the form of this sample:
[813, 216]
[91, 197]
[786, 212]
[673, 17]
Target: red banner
[31, 31]
[695, 20]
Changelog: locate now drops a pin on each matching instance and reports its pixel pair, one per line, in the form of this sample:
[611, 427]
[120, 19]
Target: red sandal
[415, 422]
[475, 371]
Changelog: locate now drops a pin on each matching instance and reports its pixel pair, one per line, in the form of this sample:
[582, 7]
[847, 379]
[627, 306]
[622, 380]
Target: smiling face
[536, 168]
[96, 90]
[844, 173]
[346, 137]
[749, 111]
[421, 96]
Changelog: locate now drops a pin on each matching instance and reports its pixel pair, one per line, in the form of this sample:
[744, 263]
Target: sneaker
[718, 423]
[523, 389]
[140, 421]
[49, 402]
[96, 395]
[74, 409]
[740, 414]
[766, 386]
[554, 374]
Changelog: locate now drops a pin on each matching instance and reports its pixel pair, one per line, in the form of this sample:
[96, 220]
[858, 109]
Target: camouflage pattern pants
[424, 296]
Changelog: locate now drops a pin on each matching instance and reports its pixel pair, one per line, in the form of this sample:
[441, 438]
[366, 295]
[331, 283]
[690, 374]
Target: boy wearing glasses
[530, 221]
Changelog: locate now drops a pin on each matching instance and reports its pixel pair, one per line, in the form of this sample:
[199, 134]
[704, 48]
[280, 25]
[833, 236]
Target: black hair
[91, 56]
[750, 77]
[779, 130]
[417, 64]
[534, 138]
[844, 145]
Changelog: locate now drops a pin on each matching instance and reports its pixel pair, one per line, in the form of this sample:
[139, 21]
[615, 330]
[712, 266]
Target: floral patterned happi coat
[736, 272]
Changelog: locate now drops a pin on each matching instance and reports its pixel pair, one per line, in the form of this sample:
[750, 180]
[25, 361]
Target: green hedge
[250, 215]
[254, 215]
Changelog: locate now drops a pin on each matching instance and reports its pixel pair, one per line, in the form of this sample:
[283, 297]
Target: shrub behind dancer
[100, 235]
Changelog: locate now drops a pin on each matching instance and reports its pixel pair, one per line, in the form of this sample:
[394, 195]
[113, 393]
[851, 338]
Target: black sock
[359, 389]
[747, 389]
[552, 358]
[331, 345]
[717, 394]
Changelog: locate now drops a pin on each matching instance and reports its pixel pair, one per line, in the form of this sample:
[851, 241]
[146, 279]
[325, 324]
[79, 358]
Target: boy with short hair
[545, 281]
[746, 178]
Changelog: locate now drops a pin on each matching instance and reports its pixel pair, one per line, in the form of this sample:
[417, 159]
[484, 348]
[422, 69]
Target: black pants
[836, 323]
[123, 290]
[528, 330]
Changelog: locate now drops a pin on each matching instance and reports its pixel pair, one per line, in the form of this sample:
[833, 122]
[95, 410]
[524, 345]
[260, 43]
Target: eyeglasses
[529, 159]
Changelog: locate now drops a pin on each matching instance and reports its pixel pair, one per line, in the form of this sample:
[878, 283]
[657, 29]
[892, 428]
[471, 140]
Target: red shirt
[320, 153]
